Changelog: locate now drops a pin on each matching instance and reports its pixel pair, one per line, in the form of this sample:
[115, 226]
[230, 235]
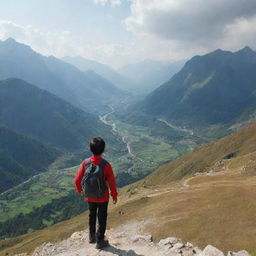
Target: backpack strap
[102, 163]
[88, 161]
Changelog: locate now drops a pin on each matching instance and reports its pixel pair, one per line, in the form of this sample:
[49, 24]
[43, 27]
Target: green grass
[150, 150]
[37, 192]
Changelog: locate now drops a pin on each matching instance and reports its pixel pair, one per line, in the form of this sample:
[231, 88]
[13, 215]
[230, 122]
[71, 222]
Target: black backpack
[93, 182]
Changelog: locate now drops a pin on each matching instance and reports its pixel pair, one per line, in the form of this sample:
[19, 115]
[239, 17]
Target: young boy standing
[97, 170]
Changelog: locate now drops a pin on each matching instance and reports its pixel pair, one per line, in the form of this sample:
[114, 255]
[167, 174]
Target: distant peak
[246, 49]
[219, 52]
[10, 40]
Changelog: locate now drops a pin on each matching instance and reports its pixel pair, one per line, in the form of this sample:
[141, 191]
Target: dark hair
[97, 146]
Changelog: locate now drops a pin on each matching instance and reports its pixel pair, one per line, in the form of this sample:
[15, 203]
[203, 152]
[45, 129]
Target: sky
[119, 32]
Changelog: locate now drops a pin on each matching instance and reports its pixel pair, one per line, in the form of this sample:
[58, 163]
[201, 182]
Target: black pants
[99, 210]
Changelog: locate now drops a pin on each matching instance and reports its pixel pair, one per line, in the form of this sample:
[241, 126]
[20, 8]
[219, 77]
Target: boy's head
[97, 146]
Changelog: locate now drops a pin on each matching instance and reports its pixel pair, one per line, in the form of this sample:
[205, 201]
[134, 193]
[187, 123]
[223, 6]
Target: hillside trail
[185, 184]
[126, 240]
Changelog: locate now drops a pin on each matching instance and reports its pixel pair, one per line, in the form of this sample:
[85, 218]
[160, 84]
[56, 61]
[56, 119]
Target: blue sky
[118, 32]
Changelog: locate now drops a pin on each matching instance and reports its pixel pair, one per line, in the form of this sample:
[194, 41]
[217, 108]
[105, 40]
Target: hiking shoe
[102, 243]
[92, 239]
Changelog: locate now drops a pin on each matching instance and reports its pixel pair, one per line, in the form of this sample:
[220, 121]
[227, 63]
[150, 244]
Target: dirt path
[186, 184]
[126, 240]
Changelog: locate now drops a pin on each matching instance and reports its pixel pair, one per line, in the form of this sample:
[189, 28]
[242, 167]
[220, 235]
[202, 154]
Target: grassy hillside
[206, 197]
[204, 157]
[21, 157]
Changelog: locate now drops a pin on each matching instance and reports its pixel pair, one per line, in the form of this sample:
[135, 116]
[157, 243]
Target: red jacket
[108, 176]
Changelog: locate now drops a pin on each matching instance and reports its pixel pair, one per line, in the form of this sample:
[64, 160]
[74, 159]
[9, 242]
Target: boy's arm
[111, 181]
[79, 177]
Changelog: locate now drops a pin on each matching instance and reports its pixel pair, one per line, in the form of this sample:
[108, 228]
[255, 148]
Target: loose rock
[210, 250]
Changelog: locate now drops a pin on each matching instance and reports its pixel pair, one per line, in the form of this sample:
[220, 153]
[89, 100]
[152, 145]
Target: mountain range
[54, 75]
[150, 74]
[214, 89]
[137, 78]
[103, 70]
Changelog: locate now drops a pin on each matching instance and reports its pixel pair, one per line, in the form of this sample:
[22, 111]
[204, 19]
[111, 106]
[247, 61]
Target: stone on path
[210, 250]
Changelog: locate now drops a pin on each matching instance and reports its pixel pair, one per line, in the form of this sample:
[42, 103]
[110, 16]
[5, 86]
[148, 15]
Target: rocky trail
[127, 240]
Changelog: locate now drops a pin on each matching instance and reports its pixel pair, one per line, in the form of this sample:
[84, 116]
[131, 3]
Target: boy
[98, 205]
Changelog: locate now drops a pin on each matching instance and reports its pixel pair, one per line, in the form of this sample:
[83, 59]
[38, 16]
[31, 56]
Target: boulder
[210, 250]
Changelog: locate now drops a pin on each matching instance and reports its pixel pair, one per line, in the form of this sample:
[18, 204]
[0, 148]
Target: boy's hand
[114, 201]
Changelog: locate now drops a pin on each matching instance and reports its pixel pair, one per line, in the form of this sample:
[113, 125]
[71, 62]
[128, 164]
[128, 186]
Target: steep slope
[54, 75]
[235, 146]
[21, 157]
[150, 74]
[217, 88]
[47, 118]
[103, 70]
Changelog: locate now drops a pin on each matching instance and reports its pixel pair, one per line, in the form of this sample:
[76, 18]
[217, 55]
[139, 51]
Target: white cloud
[116, 2]
[203, 23]
[111, 2]
[161, 29]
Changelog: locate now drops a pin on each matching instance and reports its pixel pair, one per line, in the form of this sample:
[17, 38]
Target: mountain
[103, 83]
[54, 75]
[149, 74]
[103, 70]
[21, 157]
[216, 88]
[47, 118]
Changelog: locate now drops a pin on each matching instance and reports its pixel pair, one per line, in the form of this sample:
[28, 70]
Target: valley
[142, 153]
